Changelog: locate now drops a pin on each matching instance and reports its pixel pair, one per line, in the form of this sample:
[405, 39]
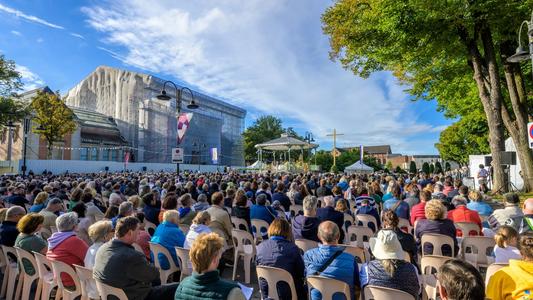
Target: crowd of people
[106, 222]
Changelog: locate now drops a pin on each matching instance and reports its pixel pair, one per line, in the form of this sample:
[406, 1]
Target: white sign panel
[530, 134]
[177, 155]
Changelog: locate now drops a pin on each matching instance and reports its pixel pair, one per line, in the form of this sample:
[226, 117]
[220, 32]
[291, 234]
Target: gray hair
[15, 211]
[202, 198]
[67, 221]
[99, 230]
[125, 208]
[114, 199]
[329, 201]
[310, 203]
[459, 200]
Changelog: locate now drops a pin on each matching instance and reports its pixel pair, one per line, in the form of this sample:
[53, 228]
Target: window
[105, 154]
[94, 154]
[84, 154]
[114, 155]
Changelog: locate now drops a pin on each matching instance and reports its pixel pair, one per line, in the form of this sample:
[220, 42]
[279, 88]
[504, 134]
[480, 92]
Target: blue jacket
[481, 207]
[402, 211]
[262, 212]
[283, 199]
[168, 235]
[328, 213]
[280, 253]
[343, 267]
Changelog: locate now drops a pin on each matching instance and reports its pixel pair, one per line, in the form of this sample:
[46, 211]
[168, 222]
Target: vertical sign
[530, 134]
[177, 155]
[214, 155]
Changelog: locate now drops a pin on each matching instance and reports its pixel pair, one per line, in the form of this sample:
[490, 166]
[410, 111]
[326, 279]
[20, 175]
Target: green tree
[412, 167]
[442, 50]
[265, 128]
[447, 166]
[438, 168]
[425, 168]
[431, 168]
[55, 118]
[398, 169]
[388, 165]
[10, 108]
[323, 159]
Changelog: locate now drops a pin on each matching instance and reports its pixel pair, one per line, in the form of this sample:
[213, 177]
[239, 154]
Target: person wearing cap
[390, 268]
[330, 260]
[50, 213]
[462, 214]
[527, 221]
[510, 215]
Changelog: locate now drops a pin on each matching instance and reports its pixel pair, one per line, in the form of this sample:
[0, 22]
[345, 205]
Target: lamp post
[179, 93]
[310, 139]
[522, 52]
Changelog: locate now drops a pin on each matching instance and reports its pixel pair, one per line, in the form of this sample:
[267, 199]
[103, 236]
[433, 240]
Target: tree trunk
[517, 128]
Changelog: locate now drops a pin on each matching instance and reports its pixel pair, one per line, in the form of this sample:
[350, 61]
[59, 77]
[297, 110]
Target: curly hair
[435, 210]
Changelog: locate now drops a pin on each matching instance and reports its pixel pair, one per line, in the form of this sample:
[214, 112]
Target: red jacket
[70, 251]
[418, 212]
[463, 214]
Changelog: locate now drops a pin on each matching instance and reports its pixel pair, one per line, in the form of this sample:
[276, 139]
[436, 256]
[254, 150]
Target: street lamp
[522, 52]
[179, 92]
[310, 139]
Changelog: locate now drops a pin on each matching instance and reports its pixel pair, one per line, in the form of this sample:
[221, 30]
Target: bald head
[14, 213]
[328, 233]
[329, 201]
[528, 206]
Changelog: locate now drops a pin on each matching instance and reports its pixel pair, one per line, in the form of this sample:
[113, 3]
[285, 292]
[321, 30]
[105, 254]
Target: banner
[361, 153]
[184, 120]
[214, 155]
[126, 159]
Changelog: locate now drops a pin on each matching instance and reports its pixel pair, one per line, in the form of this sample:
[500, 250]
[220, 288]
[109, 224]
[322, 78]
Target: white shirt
[503, 255]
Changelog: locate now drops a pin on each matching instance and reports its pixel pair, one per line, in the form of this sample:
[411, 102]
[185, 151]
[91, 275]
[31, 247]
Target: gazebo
[285, 143]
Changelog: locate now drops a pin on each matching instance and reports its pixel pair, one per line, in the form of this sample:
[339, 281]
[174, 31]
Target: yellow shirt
[514, 282]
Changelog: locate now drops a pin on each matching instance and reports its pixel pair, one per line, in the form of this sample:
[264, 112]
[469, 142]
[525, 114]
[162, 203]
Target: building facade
[149, 125]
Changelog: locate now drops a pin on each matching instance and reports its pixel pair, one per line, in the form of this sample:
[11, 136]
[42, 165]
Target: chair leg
[39, 289]
[26, 287]
[247, 268]
[11, 284]
[20, 283]
[45, 291]
[4, 283]
[235, 262]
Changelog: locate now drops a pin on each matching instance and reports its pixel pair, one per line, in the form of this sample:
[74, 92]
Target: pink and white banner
[184, 120]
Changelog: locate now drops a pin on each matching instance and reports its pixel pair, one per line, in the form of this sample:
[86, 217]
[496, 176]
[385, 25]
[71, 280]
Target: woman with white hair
[65, 246]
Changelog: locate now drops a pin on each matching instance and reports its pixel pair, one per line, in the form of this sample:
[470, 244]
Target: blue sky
[269, 57]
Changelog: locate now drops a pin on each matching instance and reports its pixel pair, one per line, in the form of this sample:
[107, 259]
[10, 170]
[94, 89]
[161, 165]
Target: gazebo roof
[284, 143]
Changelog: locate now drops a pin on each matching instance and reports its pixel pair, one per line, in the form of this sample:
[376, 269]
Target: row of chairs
[17, 282]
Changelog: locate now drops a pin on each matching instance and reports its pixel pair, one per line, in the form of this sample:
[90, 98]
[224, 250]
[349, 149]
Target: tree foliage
[55, 118]
[425, 168]
[438, 167]
[265, 128]
[412, 167]
[346, 158]
[10, 108]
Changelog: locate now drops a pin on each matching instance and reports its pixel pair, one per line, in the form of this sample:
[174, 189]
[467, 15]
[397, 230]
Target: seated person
[169, 235]
[306, 226]
[436, 222]
[367, 209]
[186, 212]
[460, 280]
[389, 269]
[390, 221]
[29, 240]
[8, 228]
[462, 214]
[205, 254]
[119, 265]
[318, 261]
[328, 213]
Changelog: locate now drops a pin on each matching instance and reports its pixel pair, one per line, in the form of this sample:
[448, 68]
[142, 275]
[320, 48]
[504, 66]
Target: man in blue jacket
[330, 260]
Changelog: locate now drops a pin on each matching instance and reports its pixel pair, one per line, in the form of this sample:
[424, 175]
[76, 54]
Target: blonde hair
[3, 212]
[341, 206]
[202, 217]
[504, 235]
[435, 210]
[40, 198]
[204, 249]
[171, 216]
[475, 196]
[280, 227]
[99, 230]
[135, 200]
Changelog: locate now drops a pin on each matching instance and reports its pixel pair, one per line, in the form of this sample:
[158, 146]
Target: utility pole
[334, 135]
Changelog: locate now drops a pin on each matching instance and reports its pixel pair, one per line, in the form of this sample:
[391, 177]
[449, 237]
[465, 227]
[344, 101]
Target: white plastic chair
[106, 290]
[305, 244]
[240, 223]
[164, 275]
[272, 276]
[296, 209]
[328, 286]
[3, 267]
[184, 228]
[437, 240]
[476, 250]
[46, 276]
[59, 268]
[405, 226]
[149, 227]
[468, 228]
[185, 262]
[12, 271]
[245, 248]
[259, 225]
[493, 268]
[383, 293]
[357, 252]
[27, 281]
[85, 276]
[367, 219]
[356, 235]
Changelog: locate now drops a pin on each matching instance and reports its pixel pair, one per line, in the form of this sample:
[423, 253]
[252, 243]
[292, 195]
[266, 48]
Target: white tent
[258, 165]
[358, 167]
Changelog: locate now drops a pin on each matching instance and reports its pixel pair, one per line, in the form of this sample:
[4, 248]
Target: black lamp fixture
[179, 92]
[522, 53]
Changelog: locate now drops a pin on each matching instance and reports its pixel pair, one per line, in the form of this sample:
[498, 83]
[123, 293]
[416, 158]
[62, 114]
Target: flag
[184, 120]
[361, 153]
[126, 159]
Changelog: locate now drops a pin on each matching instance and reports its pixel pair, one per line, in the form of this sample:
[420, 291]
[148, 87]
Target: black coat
[328, 213]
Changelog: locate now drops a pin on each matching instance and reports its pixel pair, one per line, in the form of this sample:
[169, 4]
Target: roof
[93, 119]
[382, 149]
[284, 143]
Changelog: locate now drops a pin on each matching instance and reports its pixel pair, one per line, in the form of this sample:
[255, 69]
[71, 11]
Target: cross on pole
[334, 135]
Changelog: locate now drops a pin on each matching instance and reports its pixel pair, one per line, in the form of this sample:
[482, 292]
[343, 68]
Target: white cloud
[14, 32]
[39, 40]
[77, 35]
[269, 56]
[29, 79]
[26, 17]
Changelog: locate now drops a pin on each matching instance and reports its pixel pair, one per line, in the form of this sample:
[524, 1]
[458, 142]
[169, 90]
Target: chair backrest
[491, 269]
[305, 244]
[243, 241]
[405, 225]
[137, 247]
[273, 276]
[468, 228]
[85, 275]
[183, 258]
[59, 268]
[106, 290]
[437, 240]
[357, 235]
[382, 293]
[184, 228]
[45, 233]
[357, 252]
[479, 248]
[328, 286]
[296, 209]
[158, 249]
[9, 254]
[3, 262]
[367, 219]
[257, 228]
[430, 264]
[53, 229]
[25, 256]
[149, 227]
[348, 220]
[240, 223]
[44, 265]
